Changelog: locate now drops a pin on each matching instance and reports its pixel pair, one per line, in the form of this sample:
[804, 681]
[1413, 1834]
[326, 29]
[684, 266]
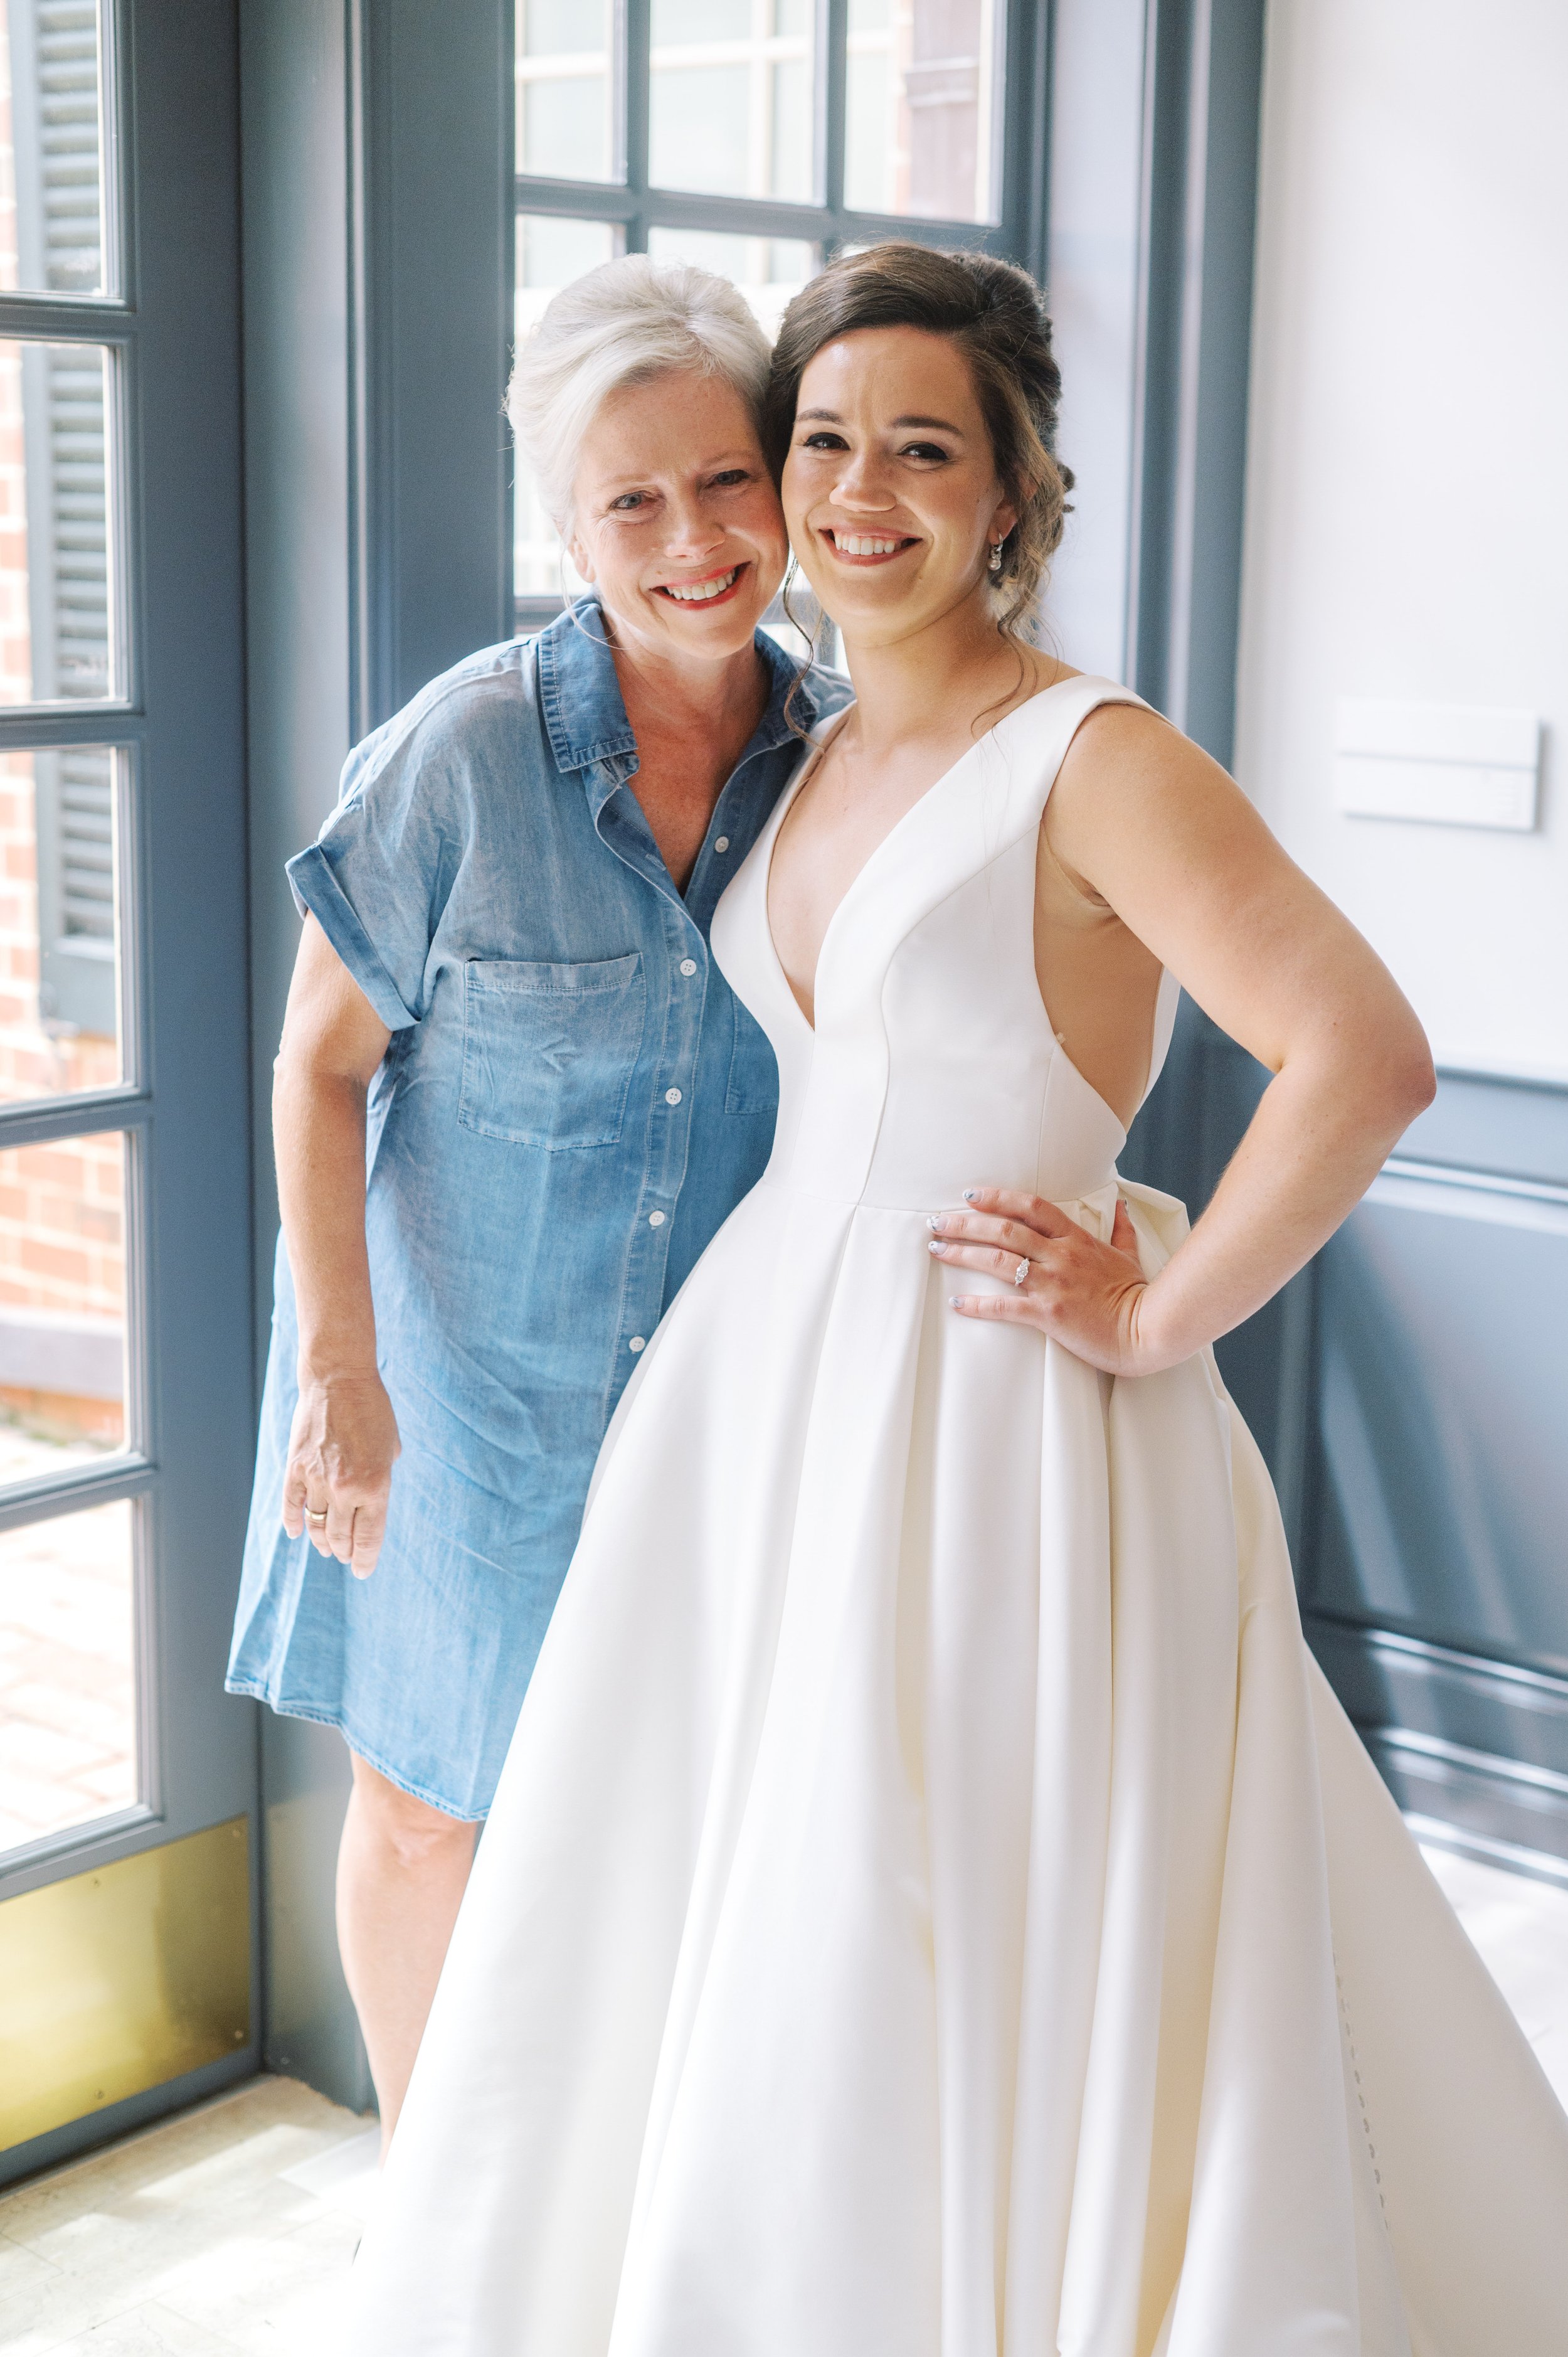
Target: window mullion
[66, 319]
[589, 200]
[914, 229]
[833, 84]
[737, 216]
[43, 1121]
[49, 1496]
[114, 192]
[25, 728]
[639, 21]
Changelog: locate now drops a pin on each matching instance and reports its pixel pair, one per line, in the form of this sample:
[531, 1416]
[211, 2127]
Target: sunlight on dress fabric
[933, 1906]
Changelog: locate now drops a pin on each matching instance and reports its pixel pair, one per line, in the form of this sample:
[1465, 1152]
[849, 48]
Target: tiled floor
[227, 2230]
[231, 2228]
[1521, 1929]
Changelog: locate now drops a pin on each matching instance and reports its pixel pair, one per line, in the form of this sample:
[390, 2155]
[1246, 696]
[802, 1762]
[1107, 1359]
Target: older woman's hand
[340, 1456]
[1084, 1294]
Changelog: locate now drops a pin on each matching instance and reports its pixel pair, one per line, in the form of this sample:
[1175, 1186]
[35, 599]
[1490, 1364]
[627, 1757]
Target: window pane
[550, 254]
[54, 590]
[51, 147]
[730, 98]
[62, 1303]
[922, 132]
[767, 270]
[566, 91]
[67, 1709]
[59, 959]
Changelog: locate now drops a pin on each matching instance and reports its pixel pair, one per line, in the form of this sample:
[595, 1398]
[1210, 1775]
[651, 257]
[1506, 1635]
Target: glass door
[125, 1848]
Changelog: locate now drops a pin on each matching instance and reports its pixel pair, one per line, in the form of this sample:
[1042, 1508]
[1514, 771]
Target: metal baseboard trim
[1485, 1804]
[1510, 1858]
[78, 2139]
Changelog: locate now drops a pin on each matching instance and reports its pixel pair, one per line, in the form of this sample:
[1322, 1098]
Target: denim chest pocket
[549, 1050]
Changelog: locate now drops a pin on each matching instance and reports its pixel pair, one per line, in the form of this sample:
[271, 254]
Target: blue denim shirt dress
[571, 1102]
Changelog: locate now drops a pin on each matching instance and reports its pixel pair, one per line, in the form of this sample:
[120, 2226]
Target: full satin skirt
[934, 1905]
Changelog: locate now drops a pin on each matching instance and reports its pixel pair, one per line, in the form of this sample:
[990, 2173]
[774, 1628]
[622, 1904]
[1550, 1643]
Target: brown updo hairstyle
[993, 312]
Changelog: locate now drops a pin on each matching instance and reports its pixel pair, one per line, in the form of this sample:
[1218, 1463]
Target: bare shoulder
[1127, 738]
[1135, 801]
[1127, 765]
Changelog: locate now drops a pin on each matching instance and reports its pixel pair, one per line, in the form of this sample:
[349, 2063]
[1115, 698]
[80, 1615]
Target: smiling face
[675, 520]
[890, 487]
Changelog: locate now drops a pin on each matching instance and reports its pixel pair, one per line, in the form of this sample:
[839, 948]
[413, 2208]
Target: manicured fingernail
[935, 1220]
[972, 1194]
[934, 1247]
[954, 1299]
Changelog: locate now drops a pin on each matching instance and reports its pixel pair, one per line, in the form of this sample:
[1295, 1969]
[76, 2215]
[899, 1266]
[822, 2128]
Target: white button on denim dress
[571, 1102]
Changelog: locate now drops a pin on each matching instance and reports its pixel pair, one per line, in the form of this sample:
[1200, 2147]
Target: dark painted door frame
[173, 321]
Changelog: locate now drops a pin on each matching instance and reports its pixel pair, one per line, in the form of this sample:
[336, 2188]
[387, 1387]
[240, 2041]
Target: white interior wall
[1407, 525]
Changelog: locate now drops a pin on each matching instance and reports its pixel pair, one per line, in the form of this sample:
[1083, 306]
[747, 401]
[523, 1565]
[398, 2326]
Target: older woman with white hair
[515, 1097]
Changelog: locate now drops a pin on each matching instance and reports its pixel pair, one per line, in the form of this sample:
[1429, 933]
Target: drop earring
[993, 562]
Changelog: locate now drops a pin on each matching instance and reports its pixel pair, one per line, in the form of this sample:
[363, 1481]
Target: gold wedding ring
[315, 1513]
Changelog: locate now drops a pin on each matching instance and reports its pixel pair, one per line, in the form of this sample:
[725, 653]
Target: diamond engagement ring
[1021, 1272]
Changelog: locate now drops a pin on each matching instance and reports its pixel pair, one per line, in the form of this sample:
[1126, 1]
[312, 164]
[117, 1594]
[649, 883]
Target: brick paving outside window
[67, 1698]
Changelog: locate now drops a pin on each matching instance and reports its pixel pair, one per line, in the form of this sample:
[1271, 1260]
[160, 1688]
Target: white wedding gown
[934, 1905]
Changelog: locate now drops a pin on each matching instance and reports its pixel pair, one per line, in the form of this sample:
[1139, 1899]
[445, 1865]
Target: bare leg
[402, 1869]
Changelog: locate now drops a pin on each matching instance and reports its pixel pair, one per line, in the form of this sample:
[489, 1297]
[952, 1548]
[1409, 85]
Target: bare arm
[1146, 819]
[345, 1434]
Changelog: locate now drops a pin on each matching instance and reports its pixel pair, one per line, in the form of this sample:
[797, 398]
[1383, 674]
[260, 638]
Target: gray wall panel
[1516, 1128]
[1443, 1500]
[1433, 1696]
[1410, 1392]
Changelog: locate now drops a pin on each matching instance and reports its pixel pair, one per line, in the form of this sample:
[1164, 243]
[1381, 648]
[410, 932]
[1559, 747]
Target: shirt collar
[585, 715]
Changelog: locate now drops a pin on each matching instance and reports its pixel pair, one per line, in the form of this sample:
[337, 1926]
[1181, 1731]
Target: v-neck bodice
[933, 1065]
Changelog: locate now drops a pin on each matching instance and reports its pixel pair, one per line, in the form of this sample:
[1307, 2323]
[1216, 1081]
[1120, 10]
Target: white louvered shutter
[55, 66]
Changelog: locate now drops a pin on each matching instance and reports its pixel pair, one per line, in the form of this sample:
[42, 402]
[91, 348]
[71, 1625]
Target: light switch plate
[1437, 764]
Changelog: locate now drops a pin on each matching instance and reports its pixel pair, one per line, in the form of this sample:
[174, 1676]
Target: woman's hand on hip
[338, 1475]
[1084, 1294]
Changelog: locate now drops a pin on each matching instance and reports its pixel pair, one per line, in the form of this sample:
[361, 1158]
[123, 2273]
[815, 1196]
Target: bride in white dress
[934, 1907]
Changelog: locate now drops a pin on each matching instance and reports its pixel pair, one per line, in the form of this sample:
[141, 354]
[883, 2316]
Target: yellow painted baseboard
[112, 1981]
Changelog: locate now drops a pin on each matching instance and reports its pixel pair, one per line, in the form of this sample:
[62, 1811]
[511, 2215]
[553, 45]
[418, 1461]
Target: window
[126, 1404]
[757, 137]
[69, 1167]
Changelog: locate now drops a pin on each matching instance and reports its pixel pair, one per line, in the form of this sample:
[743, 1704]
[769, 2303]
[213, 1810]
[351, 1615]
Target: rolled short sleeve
[379, 876]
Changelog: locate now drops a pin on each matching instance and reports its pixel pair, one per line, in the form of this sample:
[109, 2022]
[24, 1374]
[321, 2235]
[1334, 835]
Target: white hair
[618, 325]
